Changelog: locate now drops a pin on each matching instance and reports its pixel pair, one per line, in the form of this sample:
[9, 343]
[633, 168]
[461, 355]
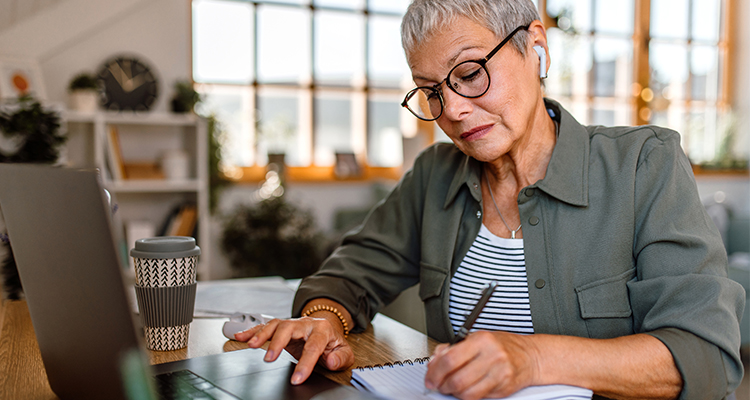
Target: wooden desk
[22, 374]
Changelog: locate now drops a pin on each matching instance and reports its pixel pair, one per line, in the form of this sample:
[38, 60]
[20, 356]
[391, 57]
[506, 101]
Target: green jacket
[616, 242]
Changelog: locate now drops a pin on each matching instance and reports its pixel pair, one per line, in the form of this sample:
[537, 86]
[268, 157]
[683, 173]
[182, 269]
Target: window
[315, 78]
[662, 65]
[306, 78]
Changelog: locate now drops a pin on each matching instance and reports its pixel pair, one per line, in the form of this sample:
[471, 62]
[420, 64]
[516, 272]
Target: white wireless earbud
[542, 61]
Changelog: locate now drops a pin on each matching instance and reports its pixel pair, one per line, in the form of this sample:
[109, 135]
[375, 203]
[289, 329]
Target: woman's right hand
[310, 340]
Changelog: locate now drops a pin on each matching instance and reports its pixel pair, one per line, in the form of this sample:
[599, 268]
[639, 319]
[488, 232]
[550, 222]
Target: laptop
[69, 259]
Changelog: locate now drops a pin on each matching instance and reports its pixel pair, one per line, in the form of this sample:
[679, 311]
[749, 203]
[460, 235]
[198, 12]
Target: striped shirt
[492, 257]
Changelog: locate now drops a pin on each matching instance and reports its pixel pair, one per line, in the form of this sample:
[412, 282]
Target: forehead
[447, 45]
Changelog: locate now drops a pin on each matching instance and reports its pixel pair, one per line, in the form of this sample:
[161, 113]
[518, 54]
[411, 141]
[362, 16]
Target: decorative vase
[86, 101]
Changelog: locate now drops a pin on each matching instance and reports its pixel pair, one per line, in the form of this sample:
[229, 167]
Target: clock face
[128, 84]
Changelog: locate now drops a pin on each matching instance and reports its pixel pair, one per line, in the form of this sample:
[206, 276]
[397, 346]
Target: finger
[464, 377]
[445, 362]
[314, 347]
[245, 335]
[283, 335]
[480, 389]
[261, 335]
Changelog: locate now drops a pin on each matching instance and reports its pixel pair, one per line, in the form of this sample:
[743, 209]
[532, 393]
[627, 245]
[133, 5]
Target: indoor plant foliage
[272, 237]
[34, 131]
[84, 92]
[34, 137]
[185, 97]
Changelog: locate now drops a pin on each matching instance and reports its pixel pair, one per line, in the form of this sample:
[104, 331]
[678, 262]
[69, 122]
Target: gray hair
[423, 18]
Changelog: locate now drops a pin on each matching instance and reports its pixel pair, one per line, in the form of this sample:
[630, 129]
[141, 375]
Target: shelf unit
[143, 138]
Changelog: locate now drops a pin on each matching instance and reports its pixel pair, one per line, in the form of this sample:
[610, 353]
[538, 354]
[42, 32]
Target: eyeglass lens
[468, 79]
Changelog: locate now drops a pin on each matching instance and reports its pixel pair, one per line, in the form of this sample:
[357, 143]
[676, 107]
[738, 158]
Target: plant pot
[86, 101]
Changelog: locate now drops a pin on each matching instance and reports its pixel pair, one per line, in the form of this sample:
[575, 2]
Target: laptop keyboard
[185, 384]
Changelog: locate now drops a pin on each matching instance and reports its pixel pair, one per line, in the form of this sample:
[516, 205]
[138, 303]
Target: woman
[622, 276]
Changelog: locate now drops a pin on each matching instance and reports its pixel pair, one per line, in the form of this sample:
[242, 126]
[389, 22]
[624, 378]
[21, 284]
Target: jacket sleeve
[379, 259]
[682, 295]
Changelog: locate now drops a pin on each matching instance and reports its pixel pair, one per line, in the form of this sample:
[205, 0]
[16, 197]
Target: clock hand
[117, 72]
[134, 83]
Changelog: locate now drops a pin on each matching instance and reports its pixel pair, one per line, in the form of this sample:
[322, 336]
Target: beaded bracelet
[328, 308]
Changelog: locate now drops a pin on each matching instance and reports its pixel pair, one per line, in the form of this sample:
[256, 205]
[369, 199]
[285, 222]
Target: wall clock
[129, 84]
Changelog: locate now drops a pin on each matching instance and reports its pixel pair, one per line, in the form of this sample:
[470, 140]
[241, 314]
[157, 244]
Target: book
[114, 152]
[405, 380]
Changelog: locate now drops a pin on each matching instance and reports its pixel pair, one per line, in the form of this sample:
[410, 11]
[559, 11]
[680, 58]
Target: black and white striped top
[492, 257]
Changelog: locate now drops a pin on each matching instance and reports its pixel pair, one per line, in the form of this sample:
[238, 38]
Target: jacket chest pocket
[605, 306]
[431, 281]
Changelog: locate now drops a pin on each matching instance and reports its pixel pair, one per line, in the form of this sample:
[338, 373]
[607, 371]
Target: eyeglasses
[468, 79]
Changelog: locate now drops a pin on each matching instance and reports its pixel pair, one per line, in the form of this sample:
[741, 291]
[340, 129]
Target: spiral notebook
[405, 380]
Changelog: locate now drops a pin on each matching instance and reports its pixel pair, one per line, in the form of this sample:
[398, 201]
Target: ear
[538, 39]
[542, 61]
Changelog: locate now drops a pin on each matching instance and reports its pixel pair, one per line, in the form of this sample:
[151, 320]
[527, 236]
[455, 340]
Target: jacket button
[539, 283]
[479, 214]
[529, 192]
[534, 221]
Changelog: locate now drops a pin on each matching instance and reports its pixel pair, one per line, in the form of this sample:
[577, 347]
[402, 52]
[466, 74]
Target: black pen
[469, 323]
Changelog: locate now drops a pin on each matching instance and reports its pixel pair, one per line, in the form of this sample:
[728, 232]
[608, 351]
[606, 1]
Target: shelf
[155, 186]
[132, 118]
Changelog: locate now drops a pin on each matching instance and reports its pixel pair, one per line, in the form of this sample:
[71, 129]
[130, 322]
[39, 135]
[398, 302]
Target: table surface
[22, 372]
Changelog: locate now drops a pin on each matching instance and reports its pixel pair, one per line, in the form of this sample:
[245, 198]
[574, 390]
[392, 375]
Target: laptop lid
[60, 230]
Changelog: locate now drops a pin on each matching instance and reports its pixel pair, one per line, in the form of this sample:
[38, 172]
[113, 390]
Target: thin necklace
[489, 187]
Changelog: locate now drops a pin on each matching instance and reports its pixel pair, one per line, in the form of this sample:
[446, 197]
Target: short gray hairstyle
[423, 18]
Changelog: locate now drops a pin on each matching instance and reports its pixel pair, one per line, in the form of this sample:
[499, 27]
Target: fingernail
[429, 385]
[269, 355]
[252, 341]
[297, 378]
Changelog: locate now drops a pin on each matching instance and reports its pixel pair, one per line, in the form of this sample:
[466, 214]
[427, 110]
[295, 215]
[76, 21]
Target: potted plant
[185, 97]
[84, 93]
[272, 237]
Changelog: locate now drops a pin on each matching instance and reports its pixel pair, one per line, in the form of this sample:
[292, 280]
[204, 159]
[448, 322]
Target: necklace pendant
[512, 234]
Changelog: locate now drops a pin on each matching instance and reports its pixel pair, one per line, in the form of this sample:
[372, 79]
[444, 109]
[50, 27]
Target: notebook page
[407, 382]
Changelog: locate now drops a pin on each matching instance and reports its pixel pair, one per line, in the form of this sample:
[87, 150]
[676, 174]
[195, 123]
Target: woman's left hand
[485, 364]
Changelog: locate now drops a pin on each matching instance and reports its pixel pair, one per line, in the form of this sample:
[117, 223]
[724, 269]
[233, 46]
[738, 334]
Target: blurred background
[268, 128]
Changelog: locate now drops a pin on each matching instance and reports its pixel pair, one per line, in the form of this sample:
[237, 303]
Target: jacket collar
[567, 173]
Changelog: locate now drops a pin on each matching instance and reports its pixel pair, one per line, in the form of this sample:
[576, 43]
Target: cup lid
[165, 247]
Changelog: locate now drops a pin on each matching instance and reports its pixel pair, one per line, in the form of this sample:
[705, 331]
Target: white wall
[72, 36]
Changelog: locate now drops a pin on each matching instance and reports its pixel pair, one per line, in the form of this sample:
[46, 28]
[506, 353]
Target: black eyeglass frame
[436, 88]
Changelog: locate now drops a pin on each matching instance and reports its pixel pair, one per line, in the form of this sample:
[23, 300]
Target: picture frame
[347, 166]
[20, 77]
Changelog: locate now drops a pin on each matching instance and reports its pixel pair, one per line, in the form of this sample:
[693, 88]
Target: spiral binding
[420, 360]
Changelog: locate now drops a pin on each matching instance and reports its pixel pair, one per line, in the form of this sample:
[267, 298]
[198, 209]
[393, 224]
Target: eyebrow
[450, 63]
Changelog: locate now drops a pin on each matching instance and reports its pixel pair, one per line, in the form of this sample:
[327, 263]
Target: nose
[455, 106]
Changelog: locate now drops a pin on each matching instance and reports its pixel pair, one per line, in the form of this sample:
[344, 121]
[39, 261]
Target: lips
[476, 133]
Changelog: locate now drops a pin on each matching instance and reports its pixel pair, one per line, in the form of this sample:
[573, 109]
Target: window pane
[571, 62]
[287, 1]
[233, 107]
[704, 66]
[706, 20]
[222, 42]
[333, 127]
[703, 139]
[339, 48]
[577, 12]
[614, 16]
[385, 146]
[283, 53]
[392, 6]
[669, 70]
[669, 19]
[612, 67]
[387, 62]
[278, 125]
[349, 4]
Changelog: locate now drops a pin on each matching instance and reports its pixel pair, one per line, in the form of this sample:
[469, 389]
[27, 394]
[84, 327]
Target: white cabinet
[144, 140]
